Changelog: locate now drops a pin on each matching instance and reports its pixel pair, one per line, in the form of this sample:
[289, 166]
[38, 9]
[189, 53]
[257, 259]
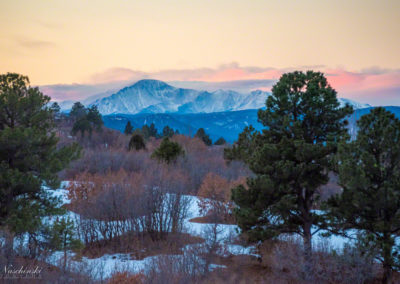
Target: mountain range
[153, 96]
[222, 113]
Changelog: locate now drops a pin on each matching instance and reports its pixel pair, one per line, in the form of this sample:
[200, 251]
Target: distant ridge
[154, 96]
[218, 124]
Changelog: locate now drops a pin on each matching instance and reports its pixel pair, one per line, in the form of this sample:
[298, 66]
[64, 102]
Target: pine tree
[220, 141]
[153, 131]
[369, 172]
[29, 156]
[82, 125]
[86, 120]
[291, 158]
[168, 151]
[201, 134]
[136, 142]
[94, 118]
[55, 108]
[78, 111]
[128, 128]
[145, 131]
[62, 236]
[149, 131]
[167, 132]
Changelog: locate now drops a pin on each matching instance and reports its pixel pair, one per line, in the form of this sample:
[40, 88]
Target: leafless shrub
[197, 163]
[126, 204]
[189, 267]
[352, 265]
[126, 278]
[215, 198]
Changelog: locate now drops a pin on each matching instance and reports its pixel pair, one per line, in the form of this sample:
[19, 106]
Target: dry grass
[282, 263]
[48, 273]
[240, 269]
[141, 246]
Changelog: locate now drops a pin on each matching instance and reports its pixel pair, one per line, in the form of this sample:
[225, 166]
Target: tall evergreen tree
[136, 142]
[168, 151]
[201, 133]
[94, 118]
[78, 111]
[369, 172]
[168, 132]
[29, 156]
[291, 158]
[149, 131]
[145, 131]
[82, 125]
[55, 108]
[86, 120]
[153, 131]
[128, 128]
[220, 141]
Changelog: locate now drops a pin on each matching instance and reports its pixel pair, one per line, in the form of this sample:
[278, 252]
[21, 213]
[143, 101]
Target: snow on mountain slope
[255, 100]
[66, 105]
[354, 104]
[146, 96]
[153, 96]
[216, 101]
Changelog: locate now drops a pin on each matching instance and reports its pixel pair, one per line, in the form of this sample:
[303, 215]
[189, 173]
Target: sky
[89, 47]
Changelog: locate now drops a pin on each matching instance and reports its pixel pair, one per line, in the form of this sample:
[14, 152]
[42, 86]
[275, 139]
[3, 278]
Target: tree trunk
[387, 274]
[65, 250]
[387, 258]
[9, 246]
[65, 260]
[308, 267]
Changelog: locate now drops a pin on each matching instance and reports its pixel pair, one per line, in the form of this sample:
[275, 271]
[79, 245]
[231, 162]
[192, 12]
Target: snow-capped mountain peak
[354, 104]
[154, 96]
[151, 84]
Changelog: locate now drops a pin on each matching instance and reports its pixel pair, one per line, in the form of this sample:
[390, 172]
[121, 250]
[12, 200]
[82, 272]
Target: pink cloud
[348, 81]
[378, 88]
[383, 80]
[375, 86]
[343, 79]
[63, 92]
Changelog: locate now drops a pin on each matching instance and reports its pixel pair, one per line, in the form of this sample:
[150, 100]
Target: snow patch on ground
[103, 267]
[202, 229]
[239, 250]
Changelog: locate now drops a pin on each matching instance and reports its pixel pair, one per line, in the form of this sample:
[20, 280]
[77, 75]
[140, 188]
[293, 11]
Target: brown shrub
[215, 198]
[190, 145]
[126, 278]
[119, 203]
[286, 263]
